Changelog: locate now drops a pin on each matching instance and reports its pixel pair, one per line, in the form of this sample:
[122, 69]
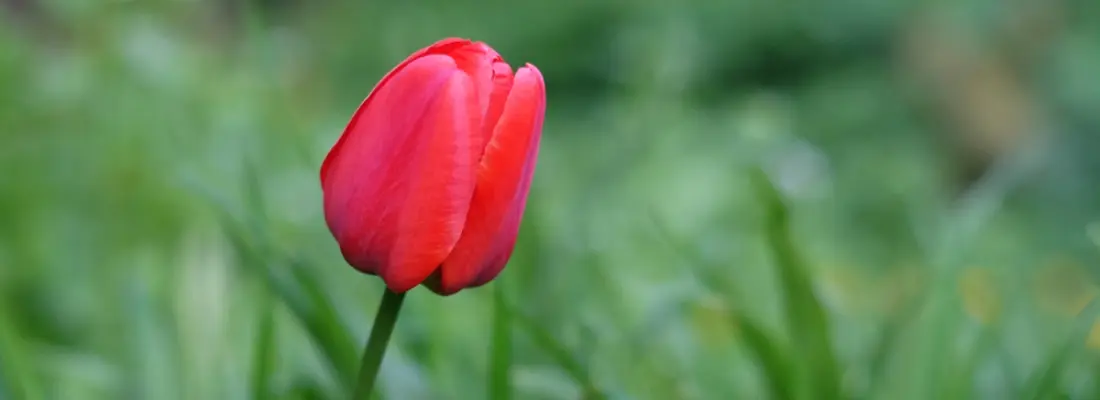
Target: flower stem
[384, 322]
[500, 354]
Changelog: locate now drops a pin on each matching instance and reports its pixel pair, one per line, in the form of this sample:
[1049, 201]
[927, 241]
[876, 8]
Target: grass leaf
[263, 356]
[559, 353]
[964, 373]
[807, 321]
[289, 280]
[768, 353]
[1044, 381]
[17, 380]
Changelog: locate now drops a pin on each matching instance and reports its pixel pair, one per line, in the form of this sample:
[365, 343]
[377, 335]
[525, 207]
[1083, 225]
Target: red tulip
[429, 180]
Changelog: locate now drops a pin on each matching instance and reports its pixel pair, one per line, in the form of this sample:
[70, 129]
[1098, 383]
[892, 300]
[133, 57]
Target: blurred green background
[848, 199]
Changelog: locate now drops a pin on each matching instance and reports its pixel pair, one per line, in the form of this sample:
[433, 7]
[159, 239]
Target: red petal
[443, 46]
[476, 59]
[501, 86]
[492, 79]
[503, 181]
[397, 185]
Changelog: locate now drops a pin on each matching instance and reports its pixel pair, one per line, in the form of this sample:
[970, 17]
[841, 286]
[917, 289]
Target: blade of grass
[807, 322]
[886, 344]
[530, 252]
[770, 355]
[1095, 375]
[774, 363]
[641, 344]
[962, 374]
[263, 356]
[287, 279]
[972, 212]
[302, 297]
[500, 352]
[325, 324]
[558, 352]
[153, 345]
[307, 391]
[1043, 383]
[17, 380]
[699, 264]
[1012, 380]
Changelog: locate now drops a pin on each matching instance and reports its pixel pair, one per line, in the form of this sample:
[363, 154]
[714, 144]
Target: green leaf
[769, 354]
[807, 322]
[324, 324]
[709, 272]
[263, 356]
[1095, 376]
[304, 390]
[322, 320]
[17, 380]
[291, 281]
[301, 297]
[1043, 383]
[559, 353]
[963, 374]
[953, 237]
[887, 342]
[645, 353]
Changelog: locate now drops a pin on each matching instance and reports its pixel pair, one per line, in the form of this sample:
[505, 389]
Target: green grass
[734, 200]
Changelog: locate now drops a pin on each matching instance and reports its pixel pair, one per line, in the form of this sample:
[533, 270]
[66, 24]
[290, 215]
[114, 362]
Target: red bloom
[430, 177]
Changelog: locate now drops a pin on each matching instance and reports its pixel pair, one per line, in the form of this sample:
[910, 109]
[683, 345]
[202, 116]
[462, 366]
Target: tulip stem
[384, 322]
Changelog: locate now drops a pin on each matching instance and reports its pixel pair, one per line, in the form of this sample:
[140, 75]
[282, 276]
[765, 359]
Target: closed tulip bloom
[429, 180]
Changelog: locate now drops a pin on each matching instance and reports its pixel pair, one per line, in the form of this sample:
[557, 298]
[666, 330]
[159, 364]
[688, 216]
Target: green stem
[384, 322]
[500, 354]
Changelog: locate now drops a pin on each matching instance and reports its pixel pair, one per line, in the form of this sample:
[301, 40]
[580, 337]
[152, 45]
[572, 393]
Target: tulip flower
[430, 177]
[427, 184]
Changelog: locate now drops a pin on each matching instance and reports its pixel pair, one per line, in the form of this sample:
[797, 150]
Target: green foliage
[806, 319]
[919, 220]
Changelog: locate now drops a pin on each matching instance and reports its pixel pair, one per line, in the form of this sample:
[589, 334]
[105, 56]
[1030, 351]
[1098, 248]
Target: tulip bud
[430, 177]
